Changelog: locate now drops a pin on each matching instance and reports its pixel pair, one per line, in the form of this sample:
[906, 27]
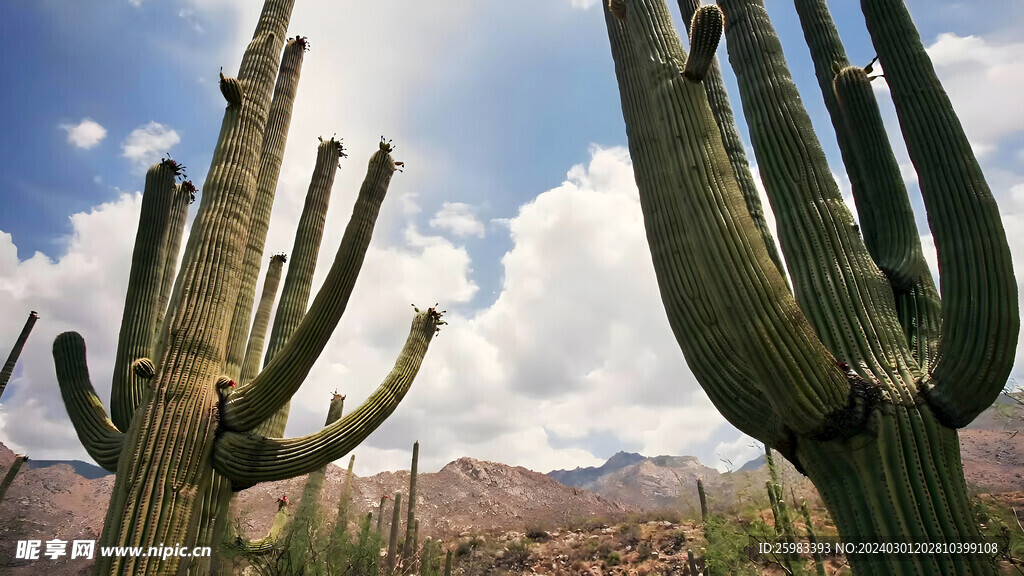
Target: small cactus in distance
[12, 358]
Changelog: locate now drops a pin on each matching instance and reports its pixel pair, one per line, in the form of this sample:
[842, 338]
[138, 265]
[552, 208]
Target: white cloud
[584, 4]
[983, 80]
[86, 134]
[146, 144]
[459, 219]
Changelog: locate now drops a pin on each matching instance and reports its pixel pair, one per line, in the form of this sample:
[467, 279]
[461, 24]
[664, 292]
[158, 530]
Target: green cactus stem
[254, 348]
[389, 566]
[691, 562]
[257, 400]
[12, 358]
[299, 280]
[708, 342]
[979, 335]
[271, 155]
[5, 484]
[409, 548]
[315, 481]
[703, 500]
[184, 195]
[345, 503]
[886, 217]
[246, 457]
[836, 387]
[98, 434]
[812, 538]
[380, 515]
[718, 98]
[282, 519]
[145, 290]
[427, 558]
[448, 563]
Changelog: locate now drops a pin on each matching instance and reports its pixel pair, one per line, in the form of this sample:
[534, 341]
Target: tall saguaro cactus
[827, 375]
[182, 434]
[12, 358]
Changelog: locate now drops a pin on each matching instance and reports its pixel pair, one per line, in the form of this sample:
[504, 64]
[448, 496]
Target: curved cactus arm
[980, 316]
[299, 280]
[887, 218]
[271, 155]
[743, 288]
[248, 458]
[255, 401]
[706, 342]
[718, 98]
[145, 283]
[254, 348]
[12, 358]
[840, 289]
[12, 472]
[100, 437]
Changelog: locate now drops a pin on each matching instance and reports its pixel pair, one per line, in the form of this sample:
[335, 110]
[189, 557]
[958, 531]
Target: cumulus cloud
[459, 219]
[146, 144]
[584, 4]
[86, 134]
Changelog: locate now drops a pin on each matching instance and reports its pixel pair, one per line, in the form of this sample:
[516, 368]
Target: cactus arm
[409, 548]
[247, 458]
[19, 344]
[254, 349]
[299, 280]
[886, 216]
[718, 98]
[255, 401]
[271, 155]
[393, 540]
[315, 481]
[100, 437]
[709, 349]
[980, 316]
[184, 195]
[741, 283]
[846, 298]
[141, 306]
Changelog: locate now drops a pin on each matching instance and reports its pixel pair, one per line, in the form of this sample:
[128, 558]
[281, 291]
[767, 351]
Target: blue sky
[516, 209]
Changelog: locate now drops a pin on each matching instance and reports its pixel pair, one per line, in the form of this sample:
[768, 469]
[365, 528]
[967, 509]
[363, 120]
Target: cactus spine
[5, 484]
[12, 358]
[190, 440]
[827, 374]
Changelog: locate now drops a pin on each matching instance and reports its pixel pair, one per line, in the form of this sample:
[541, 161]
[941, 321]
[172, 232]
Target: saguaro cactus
[12, 472]
[409, 547]
[826, 374]
[182, 433]
[12, 358]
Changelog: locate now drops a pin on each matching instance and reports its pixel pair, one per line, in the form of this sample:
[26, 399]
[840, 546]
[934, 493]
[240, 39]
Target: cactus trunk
[396, 519]
[409, 548]
[12, 358]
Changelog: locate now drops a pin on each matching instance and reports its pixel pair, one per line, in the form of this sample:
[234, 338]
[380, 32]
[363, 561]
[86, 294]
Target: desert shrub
[727, 548]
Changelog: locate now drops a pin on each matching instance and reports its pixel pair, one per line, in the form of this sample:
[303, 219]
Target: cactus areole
[181, 435]
[838, 374]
